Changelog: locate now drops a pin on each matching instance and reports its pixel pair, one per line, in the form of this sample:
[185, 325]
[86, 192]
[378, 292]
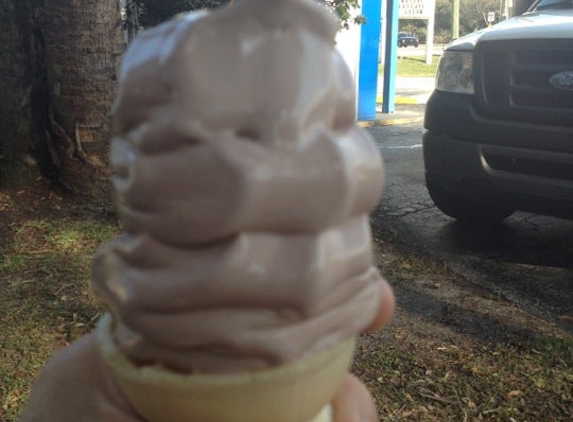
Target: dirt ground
[453, 352]
[39, 199]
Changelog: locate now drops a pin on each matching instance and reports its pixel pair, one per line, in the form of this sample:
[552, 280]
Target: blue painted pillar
[390, 57]
[368, 68]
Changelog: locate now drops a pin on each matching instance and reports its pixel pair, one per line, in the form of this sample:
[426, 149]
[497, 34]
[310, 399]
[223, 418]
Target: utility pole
[502, 7]
[455, 19]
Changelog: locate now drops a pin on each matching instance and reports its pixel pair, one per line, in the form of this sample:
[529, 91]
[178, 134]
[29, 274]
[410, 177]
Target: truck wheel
[465, 208]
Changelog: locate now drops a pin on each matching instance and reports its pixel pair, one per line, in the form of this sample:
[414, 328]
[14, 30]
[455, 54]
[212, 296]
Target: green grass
[45, 302]
[414, 66]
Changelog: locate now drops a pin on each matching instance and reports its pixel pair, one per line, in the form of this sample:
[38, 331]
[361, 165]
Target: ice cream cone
[297, 392]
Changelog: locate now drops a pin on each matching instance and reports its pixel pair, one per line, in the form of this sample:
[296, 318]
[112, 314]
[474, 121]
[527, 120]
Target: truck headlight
[455, 72]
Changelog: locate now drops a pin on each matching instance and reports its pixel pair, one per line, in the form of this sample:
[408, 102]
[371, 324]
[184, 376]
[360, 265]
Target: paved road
[526, 259]
[420, 50]
[410, 90]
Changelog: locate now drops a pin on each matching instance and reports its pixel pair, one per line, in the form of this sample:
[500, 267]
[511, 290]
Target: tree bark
[58, 78]
[83, 46]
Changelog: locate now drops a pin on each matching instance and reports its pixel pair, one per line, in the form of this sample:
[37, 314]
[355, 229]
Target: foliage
[473, 13]
[443, 22]
[344, 9]
[473, 16]
[154, 12]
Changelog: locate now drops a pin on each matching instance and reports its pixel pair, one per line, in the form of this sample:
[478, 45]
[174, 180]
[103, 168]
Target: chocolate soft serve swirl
[244, 189]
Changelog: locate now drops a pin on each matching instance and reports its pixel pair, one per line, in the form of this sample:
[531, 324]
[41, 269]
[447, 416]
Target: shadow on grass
[487, 328]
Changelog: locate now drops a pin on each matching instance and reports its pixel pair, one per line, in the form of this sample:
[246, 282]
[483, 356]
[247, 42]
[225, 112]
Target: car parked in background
[405, 39]
[499, 125]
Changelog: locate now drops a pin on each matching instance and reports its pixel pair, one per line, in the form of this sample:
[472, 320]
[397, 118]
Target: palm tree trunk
[83, 47]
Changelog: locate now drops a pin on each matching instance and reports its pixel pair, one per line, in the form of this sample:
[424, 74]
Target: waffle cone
[297, 392]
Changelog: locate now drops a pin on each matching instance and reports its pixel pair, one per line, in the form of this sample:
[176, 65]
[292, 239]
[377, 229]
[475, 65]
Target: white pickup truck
[499, 125]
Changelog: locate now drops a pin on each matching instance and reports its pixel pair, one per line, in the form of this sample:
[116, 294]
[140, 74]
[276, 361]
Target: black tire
[468, 208]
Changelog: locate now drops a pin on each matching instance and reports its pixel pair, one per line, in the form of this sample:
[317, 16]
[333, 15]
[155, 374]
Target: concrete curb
[413, 100]
[389, 121]
[402, 115]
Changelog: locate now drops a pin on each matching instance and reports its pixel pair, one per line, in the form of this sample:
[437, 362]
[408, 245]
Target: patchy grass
[461, 354]
[451, 353]
[45, 301]
[440, 380]
[414, 66]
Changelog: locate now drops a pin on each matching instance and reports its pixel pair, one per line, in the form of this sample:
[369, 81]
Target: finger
[353, 402]
[385, 309]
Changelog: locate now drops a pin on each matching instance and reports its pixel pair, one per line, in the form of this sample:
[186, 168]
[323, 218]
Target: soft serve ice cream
[244, 188]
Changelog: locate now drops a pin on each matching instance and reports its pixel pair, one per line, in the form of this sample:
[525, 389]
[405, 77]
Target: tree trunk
[58, 77]
[83, 47]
